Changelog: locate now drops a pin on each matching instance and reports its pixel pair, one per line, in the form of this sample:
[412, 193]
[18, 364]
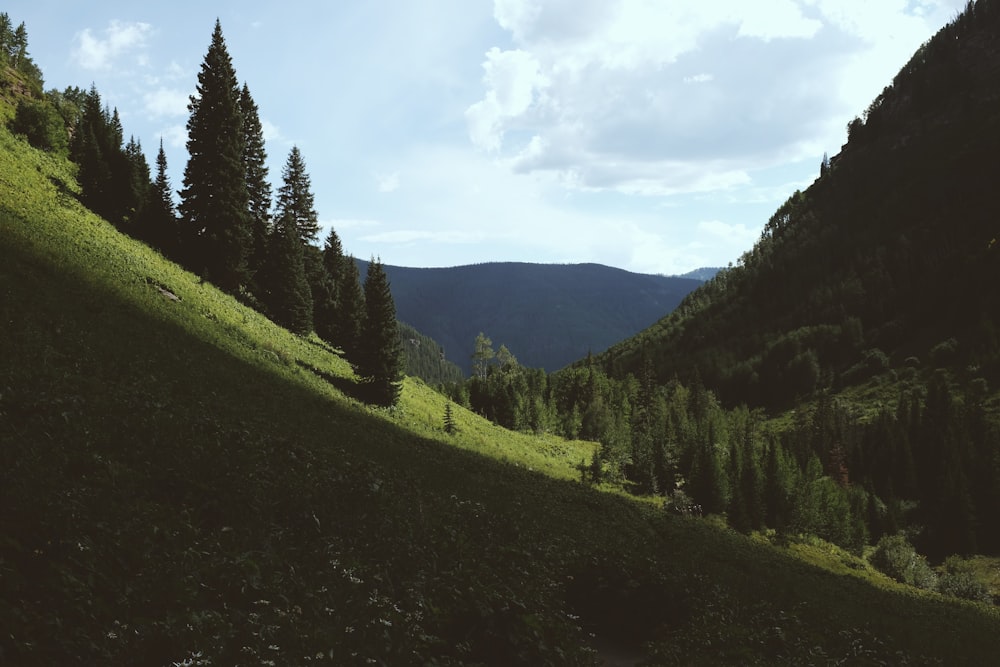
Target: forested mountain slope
[548, 315]
[889, 258]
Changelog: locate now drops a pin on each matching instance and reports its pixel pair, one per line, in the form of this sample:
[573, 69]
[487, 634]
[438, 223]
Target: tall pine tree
[89, 150]
[380, 358]
[350, 308]
[287, 294]
[215, 201]
[258, 187]
[326, 310]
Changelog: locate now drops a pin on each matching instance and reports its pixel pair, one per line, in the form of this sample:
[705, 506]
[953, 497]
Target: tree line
[224, 227]
[928, 466]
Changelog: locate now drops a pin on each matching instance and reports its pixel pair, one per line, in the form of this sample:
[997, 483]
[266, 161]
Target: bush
[960, 581]
[42, 125]
[944, 352]
[896, 557]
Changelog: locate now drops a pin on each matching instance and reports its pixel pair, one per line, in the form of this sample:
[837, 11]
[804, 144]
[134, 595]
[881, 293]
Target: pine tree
[133, 190]
[287, 294]
[350, 307]
[333, 254]
[88, 151]
[6, 37]
[380, 357]
[326, 310]
[295, 197]
[215, 200]
[19, 52]
[449, 419]
[160, 218]
[258, 188]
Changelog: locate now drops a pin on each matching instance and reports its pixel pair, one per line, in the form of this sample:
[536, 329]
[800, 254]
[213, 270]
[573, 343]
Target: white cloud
[777, 19]
[514, 79]
[175, 136]
[119, 38]
[699, 78]
[734, 234]
[599, 91]
[166, 102]
[272, 133]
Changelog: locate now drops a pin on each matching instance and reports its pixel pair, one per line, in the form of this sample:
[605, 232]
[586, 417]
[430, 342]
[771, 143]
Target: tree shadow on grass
[344, 385]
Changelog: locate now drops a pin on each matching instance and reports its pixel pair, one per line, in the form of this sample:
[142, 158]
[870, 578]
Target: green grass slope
[182, 482]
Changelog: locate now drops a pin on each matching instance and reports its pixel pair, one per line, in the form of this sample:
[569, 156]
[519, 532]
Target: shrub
[960, 581]
[896, 557]
[42, 125]
[944, 352]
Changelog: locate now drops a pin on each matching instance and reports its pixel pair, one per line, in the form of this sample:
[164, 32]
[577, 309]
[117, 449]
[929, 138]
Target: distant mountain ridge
[703, 273]
[548, 315]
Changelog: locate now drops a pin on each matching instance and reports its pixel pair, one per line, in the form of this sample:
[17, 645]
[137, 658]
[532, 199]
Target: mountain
[183, 482]
[547, 315]
[887, 261]
[425, 359]
[703, 274]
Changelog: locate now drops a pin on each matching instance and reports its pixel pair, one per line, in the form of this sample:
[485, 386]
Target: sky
[656, 136]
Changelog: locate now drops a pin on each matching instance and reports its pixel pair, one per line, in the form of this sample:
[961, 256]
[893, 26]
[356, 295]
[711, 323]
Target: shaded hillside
[888, 259]
[425, 358]
[548, 315]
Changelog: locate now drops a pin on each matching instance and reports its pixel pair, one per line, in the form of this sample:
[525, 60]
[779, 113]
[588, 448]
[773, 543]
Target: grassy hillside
[548, 315]
[183, 482]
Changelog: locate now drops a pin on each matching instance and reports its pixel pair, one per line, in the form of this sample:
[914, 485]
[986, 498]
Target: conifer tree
[333, 254]
[6, 37]
[295, 197]
[133, 190]
[449, 419]
[326, 296]
[287, 294]
[258, 187]
[215, 200]
[160, 216]
[350, 308]
[380, 357]
[88, 151]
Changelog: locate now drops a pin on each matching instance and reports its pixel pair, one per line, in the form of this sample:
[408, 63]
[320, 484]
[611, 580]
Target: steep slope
[546, 314]
[889, 257]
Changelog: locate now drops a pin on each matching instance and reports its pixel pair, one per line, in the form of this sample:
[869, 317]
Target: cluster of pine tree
[931, 466]
[224, 228]
[14, 52]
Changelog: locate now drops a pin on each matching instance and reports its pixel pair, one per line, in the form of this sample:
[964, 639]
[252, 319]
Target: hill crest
[548, 315]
